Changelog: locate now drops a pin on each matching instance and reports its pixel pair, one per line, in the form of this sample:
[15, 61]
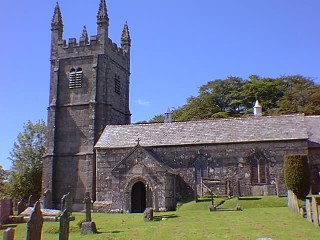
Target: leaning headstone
[8, 234]
[5, 210]
[31, 201]
[293, 201]
[64, 225]
[301, 212]
[34, 225]
[148, 214]
[315, 213]
[66, 202]
[21, 207]
[88, 226]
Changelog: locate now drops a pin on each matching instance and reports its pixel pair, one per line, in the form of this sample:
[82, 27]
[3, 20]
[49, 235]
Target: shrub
[296, 174]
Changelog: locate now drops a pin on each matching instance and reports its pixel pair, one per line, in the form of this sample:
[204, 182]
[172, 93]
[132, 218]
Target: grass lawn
[261, 217]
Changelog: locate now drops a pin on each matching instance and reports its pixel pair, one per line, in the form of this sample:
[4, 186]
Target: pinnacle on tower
[56, 22]
[84, 36]
[125, 36]
[102, 16]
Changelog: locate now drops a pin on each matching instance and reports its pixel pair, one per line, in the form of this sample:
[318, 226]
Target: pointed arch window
[75, 78]
[258, 170]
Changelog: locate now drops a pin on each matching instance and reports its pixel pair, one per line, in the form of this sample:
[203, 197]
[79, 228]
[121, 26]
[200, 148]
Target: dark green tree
[267, 90]
[296, 174]
[234, 96]
[3, 179]
[301, 95]
[219, 98]
[25, 176]
[312, 106]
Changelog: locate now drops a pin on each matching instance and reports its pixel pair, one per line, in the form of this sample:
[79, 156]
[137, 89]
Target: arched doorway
[138, 197]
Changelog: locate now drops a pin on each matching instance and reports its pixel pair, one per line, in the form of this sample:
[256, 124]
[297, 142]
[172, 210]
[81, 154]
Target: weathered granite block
[148, 214]
[8, 234]
[5, 210]
[102, 206]
[88, 227]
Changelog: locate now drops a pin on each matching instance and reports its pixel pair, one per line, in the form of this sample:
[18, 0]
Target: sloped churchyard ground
[260, 217]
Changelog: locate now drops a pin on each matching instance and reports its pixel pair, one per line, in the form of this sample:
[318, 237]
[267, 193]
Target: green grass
[261, 217]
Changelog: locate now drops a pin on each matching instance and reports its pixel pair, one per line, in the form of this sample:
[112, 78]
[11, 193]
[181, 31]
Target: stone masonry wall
[231, 161]
[222, 161]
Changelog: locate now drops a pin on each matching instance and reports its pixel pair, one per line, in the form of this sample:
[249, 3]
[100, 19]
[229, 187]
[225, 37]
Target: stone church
[93, 147]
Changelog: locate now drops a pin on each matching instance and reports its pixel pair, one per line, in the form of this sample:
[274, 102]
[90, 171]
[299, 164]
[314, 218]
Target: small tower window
[75, 78]
[117, 86]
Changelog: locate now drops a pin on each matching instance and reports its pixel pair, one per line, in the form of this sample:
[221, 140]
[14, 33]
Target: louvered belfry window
[117, 86]
[75, 78]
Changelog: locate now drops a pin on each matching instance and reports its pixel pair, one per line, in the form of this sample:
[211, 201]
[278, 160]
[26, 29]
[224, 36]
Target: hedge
[296, 174]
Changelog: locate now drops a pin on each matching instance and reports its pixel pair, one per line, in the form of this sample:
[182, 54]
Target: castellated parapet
[72, 48]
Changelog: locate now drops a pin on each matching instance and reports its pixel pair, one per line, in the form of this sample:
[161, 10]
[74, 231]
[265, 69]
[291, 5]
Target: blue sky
[177, 46]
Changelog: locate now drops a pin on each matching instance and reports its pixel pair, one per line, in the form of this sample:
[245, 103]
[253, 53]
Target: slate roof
[313, 128]
[227, 130]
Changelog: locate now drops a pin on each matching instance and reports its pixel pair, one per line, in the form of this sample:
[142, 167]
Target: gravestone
[301, 212]
[11, 207]
[293, 201]
[212, 207]
[87, 201]
[21, 206]
[8, 234]
[64, 225]
[277, 182]
[34, 225]
[315, 213]
[88, 226]
[66, 202]
[148, 214]
[46, 201]
[308, 209]
[5, 210]
[31, 201]
[238, 207]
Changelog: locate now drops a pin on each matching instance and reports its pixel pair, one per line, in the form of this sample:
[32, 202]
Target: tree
[25, 177]
[296, 174]
[267, 90]
[234, 96]
[297, 91]
[3, 178]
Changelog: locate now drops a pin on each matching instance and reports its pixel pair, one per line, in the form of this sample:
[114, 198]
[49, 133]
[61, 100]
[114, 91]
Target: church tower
[89, 89]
